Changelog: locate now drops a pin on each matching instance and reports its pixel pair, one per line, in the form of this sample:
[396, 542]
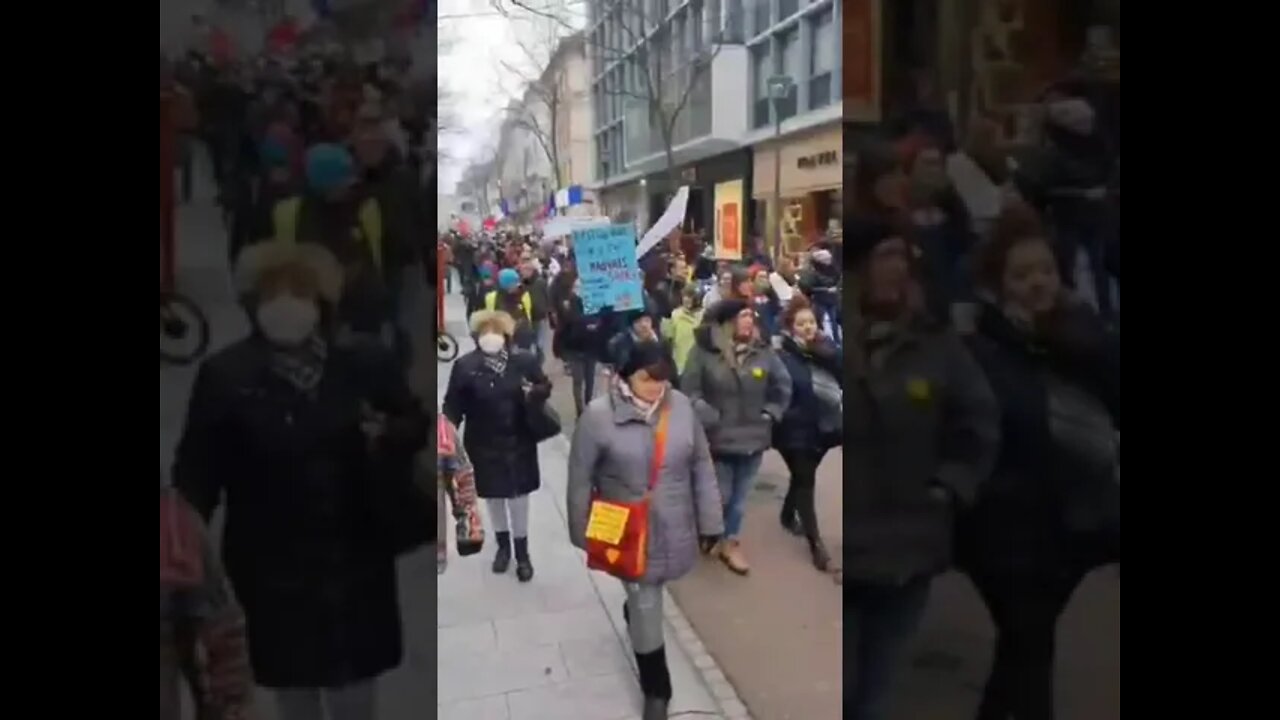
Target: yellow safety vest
[491, 303]
[284, 219]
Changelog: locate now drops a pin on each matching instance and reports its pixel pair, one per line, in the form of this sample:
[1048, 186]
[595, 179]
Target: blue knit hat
[508, 279]
[329, 168]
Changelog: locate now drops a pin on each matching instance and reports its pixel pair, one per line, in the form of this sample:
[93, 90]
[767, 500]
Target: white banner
[670, 220]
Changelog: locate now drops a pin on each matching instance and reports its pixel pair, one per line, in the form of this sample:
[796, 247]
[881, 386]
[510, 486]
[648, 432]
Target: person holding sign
[642, 498]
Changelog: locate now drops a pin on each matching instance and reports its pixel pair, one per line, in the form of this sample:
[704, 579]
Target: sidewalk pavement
[555, 648]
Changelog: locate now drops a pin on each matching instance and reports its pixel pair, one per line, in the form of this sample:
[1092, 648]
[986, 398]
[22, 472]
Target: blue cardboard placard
[607, 267]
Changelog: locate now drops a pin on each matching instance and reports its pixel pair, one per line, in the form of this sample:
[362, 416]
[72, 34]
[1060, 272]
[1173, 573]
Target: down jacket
[613, 445]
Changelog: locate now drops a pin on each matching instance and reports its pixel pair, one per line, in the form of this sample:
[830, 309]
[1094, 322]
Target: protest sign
[606, 260]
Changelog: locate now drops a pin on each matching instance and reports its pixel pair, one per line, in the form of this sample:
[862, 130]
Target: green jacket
[678, 330]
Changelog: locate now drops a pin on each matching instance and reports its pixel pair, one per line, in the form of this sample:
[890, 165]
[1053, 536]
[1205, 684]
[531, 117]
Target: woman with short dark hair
[1051, 511]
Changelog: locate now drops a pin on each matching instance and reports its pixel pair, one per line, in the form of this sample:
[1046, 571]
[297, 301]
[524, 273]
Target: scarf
[303, 367]
[644, 406]
[497, 362]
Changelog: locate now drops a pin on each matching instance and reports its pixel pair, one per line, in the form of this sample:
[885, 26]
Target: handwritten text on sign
[606, 259]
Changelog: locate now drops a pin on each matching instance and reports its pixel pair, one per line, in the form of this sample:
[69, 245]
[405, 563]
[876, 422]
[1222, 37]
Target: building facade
[668, 88]
[796, 139]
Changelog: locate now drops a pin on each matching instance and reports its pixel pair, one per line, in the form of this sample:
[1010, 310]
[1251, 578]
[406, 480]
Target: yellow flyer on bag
[607, 522]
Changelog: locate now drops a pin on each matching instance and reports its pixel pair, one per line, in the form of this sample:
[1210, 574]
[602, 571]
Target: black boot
[502, 559]
[788, 517]
[626, 614]
[655, 683]
[821, 558]
[524, 568]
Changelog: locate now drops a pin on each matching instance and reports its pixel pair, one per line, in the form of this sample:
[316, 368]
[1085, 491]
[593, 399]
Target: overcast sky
[475, 40]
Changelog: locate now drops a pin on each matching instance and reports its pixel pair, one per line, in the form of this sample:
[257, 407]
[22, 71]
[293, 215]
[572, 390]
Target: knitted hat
[724, 311]
[329, 168]
[508, 279]
[650, 356]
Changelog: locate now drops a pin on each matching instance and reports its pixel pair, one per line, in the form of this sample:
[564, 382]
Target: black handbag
[542, 420]
[403, 501]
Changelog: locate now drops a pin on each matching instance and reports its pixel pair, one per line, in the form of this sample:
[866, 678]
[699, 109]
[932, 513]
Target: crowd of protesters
[305, 431]
[984, 368]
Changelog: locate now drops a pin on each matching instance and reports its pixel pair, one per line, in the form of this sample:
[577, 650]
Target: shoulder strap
[659, 444]
[284, 219]
[371, 226]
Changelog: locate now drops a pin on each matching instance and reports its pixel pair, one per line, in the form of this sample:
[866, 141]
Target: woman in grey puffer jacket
[612, 451]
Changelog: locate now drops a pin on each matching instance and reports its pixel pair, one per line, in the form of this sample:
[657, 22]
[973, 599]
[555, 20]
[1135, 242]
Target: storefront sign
[607, 267]
[728, 237]
[809, 162]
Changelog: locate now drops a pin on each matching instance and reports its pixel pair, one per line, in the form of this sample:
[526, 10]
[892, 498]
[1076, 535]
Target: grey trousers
[644, 607]
[352, 702]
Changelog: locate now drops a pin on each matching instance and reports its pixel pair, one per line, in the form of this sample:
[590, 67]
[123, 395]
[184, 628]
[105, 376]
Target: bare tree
[665, 69]
[539, 108]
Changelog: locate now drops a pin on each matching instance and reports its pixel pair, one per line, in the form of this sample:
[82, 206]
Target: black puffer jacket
[799, 429]
[1018, 523]
[301, 545]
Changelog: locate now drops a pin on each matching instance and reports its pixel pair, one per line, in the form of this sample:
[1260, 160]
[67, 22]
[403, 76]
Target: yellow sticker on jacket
[757, 373]
[918, 389]
[607, 522]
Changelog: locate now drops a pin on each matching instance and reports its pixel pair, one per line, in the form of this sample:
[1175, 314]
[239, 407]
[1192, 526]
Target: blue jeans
[885, 619]
[737, 476]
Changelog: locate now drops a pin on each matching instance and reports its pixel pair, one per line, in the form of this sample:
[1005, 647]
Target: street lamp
[780, 87]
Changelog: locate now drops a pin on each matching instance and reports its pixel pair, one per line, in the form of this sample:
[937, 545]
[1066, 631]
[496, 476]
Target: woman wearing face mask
[296, 430]
[679, 328]
[1050, 512]
[577, 341]
[491, 389]
[924, 435]
[739, 389]
[644, 439]
[813, 422]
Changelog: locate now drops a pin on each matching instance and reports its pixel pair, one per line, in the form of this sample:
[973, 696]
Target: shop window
[822, 60]
[789, 64]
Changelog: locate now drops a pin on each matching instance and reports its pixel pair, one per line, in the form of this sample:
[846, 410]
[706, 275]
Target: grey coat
[922, 431]
[611, 454]
[738, 401]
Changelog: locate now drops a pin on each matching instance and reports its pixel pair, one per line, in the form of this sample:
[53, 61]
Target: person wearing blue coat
[812, 424]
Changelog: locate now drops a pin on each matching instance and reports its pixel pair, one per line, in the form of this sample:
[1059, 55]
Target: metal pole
[777, 184]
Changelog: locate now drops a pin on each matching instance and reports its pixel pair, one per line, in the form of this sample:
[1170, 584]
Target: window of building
[789, 65]
[822, 60]
[760, 71]
[787, 8]
[760, 16]
[698, 29]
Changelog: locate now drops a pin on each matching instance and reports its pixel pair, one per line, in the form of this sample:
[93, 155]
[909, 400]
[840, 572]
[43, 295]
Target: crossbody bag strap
[659, 446]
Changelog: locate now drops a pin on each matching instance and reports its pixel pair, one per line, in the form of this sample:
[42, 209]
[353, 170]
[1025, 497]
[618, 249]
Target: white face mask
[491, 343]
[288, 320]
